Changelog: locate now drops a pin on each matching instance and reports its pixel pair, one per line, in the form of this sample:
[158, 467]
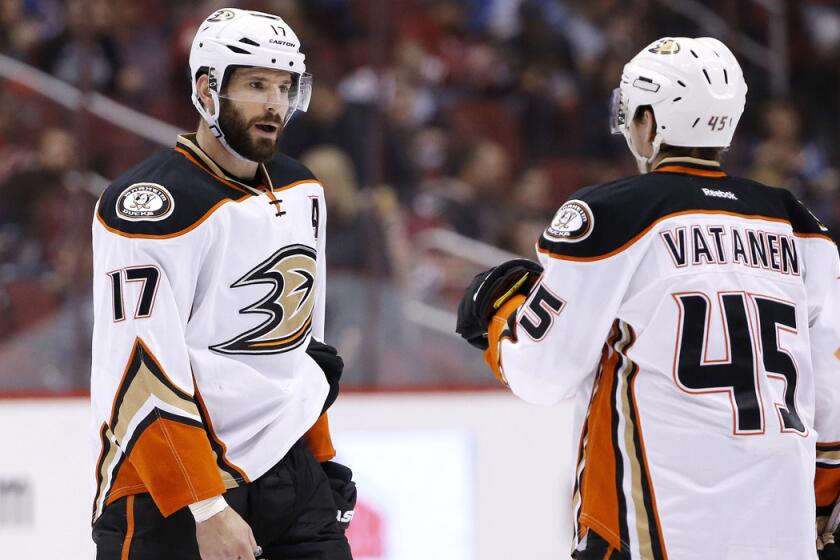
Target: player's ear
[203, 89]
[651, 118]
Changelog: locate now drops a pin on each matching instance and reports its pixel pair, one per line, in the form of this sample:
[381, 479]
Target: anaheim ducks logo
[665, 46]
[145, 202]
[221, 15]
[291, 273]
[573, 222]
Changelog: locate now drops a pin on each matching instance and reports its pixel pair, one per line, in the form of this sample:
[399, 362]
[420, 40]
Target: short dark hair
[715, 154]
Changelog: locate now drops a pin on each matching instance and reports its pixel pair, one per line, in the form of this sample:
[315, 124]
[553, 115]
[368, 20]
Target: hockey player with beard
[693, 316]
[210, 378]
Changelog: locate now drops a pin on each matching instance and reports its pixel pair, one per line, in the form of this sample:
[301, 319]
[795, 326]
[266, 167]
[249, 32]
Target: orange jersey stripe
[127, 483]
[827, 486]
[176, 463]
[139, 345]
[208, 425]
[169, 235]
[280, 342]
[296, 183]
[189, 156]
[600, 509]
[690, 171]
[129, 528]
[319, 441]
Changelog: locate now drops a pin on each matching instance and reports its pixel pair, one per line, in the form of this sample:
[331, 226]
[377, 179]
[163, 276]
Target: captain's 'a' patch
[573, 222]
[145, 202]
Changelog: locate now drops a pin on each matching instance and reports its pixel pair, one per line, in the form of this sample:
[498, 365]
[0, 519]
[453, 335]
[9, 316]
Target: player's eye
[284, 88]
[256, 85]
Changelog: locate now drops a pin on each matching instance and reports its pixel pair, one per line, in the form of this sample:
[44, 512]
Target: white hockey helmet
[230, 38]
[695, 88]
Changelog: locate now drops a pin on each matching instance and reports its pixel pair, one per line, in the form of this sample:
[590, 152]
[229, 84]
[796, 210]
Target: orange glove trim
[319, 440]
[495, 334]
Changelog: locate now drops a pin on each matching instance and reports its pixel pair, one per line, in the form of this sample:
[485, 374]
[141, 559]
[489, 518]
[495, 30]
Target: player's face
[253, 107]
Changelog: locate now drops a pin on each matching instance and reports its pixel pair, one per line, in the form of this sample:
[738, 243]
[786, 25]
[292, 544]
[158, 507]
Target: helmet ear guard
[620, 124]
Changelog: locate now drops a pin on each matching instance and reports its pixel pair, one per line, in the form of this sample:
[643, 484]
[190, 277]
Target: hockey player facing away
[210, 381]
[694, 318]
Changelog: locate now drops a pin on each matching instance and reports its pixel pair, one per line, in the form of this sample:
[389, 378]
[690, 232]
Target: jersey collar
[187, 143]
[690, 166]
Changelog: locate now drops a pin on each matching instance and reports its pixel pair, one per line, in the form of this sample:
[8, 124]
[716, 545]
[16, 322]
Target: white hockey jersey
[206, 294]
[696, 319]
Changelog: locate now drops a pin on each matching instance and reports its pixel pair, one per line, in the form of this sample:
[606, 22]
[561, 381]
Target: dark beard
[235, 129]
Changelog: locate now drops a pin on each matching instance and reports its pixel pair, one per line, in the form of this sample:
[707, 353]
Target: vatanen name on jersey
[699, 245]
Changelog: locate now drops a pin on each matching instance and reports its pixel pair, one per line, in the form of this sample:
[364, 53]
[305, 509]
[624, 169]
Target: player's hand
[225, 536]
[488, 291]
[330, 363]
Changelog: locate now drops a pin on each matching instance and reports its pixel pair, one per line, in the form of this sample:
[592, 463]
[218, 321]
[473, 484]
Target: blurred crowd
[474, 116]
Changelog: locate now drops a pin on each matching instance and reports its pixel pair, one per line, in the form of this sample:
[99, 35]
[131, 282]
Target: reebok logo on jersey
[145, 201]
[573, 222]
[720, 194]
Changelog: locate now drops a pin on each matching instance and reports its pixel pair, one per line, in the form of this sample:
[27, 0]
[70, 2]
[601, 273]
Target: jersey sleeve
[553, 340]
[823, 284]
[143, 391]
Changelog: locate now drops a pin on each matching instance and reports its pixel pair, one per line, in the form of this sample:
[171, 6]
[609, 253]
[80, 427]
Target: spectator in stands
[20, 30]
[38, 246]
[784, 159]
[85, 52]
[366, 229]
[477, 122]
[332, 120]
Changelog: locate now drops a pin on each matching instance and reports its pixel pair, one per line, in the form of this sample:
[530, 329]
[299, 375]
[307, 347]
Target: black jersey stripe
[195, 188]
[104, 453]
[551, 248]
[141, 357]
[235, 474]
[624, 211]
[648, 498]
[624, 530]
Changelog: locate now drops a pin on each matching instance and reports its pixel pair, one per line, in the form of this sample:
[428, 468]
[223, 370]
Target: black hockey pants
[290, 510]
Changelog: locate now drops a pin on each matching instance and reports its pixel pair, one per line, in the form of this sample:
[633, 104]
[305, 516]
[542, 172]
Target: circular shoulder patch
[573, 222]
[145, 201]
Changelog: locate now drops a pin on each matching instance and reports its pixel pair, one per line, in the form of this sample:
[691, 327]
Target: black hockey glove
[344, 491]
[332, 365]
[486, 294]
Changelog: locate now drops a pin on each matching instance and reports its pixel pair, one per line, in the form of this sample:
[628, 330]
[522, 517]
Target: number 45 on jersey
[737, 373]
